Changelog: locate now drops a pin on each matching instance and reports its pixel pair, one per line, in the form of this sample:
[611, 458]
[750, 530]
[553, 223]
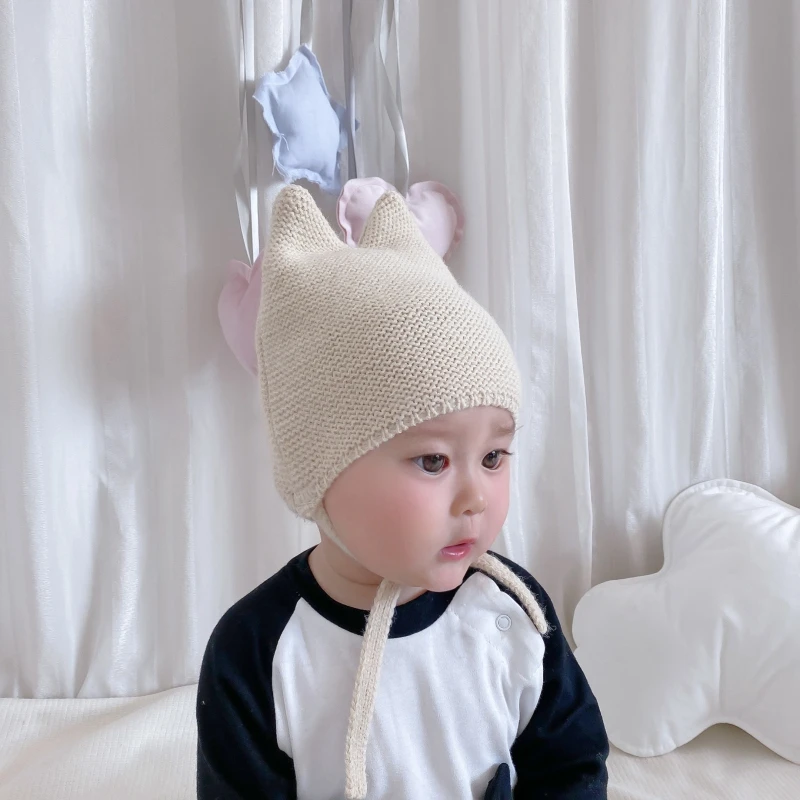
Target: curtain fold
[630, 174]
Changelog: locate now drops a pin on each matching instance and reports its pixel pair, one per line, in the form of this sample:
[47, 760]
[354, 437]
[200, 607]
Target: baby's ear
[299, 227]
[392, 225]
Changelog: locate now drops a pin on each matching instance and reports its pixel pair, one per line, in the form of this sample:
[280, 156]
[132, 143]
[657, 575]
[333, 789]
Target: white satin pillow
[713, 637]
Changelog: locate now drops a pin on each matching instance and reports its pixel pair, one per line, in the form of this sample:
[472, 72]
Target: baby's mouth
[455, 552]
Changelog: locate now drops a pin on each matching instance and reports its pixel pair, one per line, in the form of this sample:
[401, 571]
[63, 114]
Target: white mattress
[143, 748]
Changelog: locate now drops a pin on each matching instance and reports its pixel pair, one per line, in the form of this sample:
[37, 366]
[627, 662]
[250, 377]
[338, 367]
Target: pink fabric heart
[437, 210]
[238, 310]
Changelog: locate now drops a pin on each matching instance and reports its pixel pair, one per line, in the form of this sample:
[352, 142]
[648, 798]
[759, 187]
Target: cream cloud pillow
[713, 637]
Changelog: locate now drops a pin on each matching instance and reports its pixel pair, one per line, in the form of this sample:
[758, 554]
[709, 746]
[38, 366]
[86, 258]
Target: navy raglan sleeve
[237, 750]
[562, 752]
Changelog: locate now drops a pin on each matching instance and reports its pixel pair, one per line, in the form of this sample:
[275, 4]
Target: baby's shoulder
[250, 629]
[525, 577]
[539, 594]
[494, 615]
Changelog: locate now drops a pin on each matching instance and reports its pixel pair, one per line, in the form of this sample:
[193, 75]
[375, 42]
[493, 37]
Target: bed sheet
[143, 748]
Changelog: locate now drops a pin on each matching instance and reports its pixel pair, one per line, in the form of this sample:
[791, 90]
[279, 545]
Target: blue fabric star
[308, 126]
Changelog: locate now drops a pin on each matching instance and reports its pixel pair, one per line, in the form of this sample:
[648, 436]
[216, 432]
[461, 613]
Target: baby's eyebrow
[500, 429]
[504, 429]
[428, 432]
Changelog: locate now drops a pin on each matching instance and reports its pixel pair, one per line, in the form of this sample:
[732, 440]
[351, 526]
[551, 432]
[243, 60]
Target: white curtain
[631, 179]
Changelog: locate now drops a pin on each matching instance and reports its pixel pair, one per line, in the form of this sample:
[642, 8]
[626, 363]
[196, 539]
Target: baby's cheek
[497, 507]
[406, 507]
[412, 511]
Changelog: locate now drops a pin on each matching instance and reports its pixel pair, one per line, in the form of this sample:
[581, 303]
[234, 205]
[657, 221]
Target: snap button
[503, 622]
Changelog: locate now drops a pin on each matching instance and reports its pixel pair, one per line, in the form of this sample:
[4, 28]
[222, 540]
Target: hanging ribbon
[307, 22]
[349, 87]
[246, 172]
[392, 100]
[390, 96]
[246, 169]
[245, 183]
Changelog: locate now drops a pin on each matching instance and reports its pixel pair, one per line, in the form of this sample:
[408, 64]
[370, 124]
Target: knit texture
[355, 345]
[496, 569]
[362, 705]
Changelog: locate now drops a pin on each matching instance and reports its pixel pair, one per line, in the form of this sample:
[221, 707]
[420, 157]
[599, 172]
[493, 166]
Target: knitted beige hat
[355, 345]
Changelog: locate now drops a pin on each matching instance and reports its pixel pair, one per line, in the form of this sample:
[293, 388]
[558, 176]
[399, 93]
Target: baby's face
[422, 507]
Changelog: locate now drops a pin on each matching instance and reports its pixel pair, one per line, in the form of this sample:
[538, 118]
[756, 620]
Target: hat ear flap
[393, 226]
[299, 227]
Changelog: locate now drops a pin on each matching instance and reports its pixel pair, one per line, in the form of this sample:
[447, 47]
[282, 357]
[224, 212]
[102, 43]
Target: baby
[399, 658]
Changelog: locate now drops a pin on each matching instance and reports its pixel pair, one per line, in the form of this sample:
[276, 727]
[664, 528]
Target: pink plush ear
[436, 209]
[355, 204]
[439, 214]
[238, 311]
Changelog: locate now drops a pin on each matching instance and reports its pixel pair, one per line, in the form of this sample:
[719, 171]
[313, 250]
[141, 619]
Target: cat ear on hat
[299, 227]
[392, 225]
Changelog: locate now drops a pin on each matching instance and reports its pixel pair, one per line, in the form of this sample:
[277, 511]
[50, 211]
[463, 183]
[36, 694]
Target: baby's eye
[494, 459]
[432, 464]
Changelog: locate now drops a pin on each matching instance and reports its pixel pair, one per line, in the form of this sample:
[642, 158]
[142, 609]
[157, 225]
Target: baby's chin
[444, 577]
